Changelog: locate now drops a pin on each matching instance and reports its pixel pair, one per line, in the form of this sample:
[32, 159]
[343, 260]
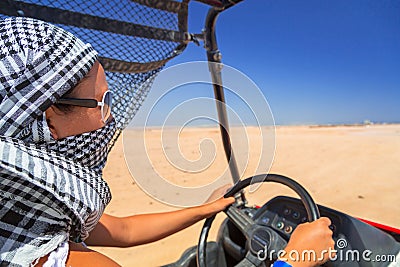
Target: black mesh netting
[134, 39]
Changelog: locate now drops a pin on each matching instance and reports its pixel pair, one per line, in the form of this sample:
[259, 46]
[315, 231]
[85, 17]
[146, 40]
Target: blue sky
[316, 62]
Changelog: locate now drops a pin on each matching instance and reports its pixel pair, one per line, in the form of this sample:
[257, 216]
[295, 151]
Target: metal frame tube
[215, 66]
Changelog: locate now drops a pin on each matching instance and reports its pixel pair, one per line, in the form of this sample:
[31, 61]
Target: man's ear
[51, 119]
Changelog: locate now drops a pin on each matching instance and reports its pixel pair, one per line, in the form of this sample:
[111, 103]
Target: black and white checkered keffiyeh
[51, 191]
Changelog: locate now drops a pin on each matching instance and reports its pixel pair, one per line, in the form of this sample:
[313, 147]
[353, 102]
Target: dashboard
[358, 244]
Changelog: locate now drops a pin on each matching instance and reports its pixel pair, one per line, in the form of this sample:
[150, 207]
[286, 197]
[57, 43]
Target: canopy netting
[134, 39]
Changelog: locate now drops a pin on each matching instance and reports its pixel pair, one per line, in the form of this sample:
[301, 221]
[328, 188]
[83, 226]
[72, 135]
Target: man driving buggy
[56, 130]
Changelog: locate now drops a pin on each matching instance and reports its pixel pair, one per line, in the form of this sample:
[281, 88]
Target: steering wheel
[260, 238]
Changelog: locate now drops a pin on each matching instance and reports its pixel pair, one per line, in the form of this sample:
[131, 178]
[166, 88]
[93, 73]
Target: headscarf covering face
[51, 191]
[88, 149]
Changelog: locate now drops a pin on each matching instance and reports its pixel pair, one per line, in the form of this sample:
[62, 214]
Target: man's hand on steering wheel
[216, 202]
[310, 236]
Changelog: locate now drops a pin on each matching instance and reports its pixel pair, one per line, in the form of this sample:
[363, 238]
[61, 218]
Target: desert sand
[354, 169]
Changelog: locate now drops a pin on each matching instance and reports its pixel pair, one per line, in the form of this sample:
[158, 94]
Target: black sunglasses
[105, 104]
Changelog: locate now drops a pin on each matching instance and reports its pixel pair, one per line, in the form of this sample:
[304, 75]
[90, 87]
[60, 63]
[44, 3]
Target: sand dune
[355, 169]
